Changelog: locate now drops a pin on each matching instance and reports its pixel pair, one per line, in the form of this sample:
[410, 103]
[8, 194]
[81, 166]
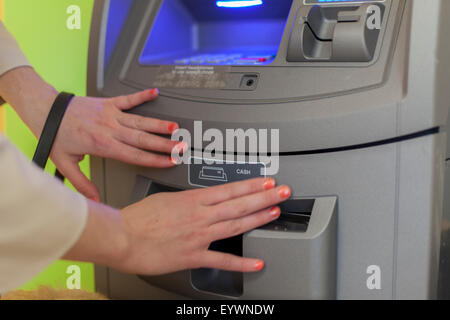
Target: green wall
[60, 56]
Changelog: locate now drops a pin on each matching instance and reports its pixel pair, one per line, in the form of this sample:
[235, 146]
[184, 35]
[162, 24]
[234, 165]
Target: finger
[133, 100]
[148, 124]
[147, 141]
[218, 194]
[229, 262]
[232, 228]
[135, 156]
[71, 170]
[246, 205]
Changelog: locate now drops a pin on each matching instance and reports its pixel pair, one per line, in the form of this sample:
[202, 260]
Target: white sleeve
[11, 56]
[40, 219]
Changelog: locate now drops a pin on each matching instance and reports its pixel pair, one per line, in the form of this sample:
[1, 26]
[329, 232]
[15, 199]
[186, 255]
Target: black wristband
[51, 128]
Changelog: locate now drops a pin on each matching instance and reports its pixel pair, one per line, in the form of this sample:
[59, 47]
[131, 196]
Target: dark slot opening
[158, 188]
[218, 281]
[295, 216]
[212, 280]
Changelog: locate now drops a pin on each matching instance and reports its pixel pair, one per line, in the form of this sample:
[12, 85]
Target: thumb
[71, 170]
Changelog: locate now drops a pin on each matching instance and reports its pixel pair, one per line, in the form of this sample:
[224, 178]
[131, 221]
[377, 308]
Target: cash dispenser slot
[295, 216]
[305, 232]
[221, 282]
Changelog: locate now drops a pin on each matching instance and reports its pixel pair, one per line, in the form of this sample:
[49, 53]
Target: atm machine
[359, 93]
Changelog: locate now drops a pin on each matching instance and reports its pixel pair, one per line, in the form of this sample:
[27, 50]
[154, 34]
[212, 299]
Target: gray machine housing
[362, 144]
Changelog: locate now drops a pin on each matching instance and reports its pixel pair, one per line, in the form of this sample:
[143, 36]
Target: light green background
[59, 55]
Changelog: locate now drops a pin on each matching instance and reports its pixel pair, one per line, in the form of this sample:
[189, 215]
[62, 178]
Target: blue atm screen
[207, 32]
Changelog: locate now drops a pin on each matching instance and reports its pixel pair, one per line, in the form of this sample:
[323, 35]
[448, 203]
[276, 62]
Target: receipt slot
[356, 91]
[336, 33]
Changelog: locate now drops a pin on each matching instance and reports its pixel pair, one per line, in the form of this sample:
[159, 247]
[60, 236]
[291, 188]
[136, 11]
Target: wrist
[114, 244]
[120, 243]
[103, 240]
[37, 103]
[29, 95]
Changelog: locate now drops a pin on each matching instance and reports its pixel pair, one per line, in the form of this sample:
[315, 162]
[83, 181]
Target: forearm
[40, 219]
[103, 240]
[29, 95]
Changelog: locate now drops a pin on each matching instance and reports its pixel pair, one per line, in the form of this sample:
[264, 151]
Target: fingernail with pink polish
[284, 192]
[95, 199]
[269, 184]
[173, 127]
[154, 92]
[259, 265]
[275, 212]
[173, 160]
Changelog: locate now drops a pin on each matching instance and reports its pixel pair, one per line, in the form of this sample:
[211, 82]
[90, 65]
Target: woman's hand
[169, 232]
[95, 126]
[100, 127]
